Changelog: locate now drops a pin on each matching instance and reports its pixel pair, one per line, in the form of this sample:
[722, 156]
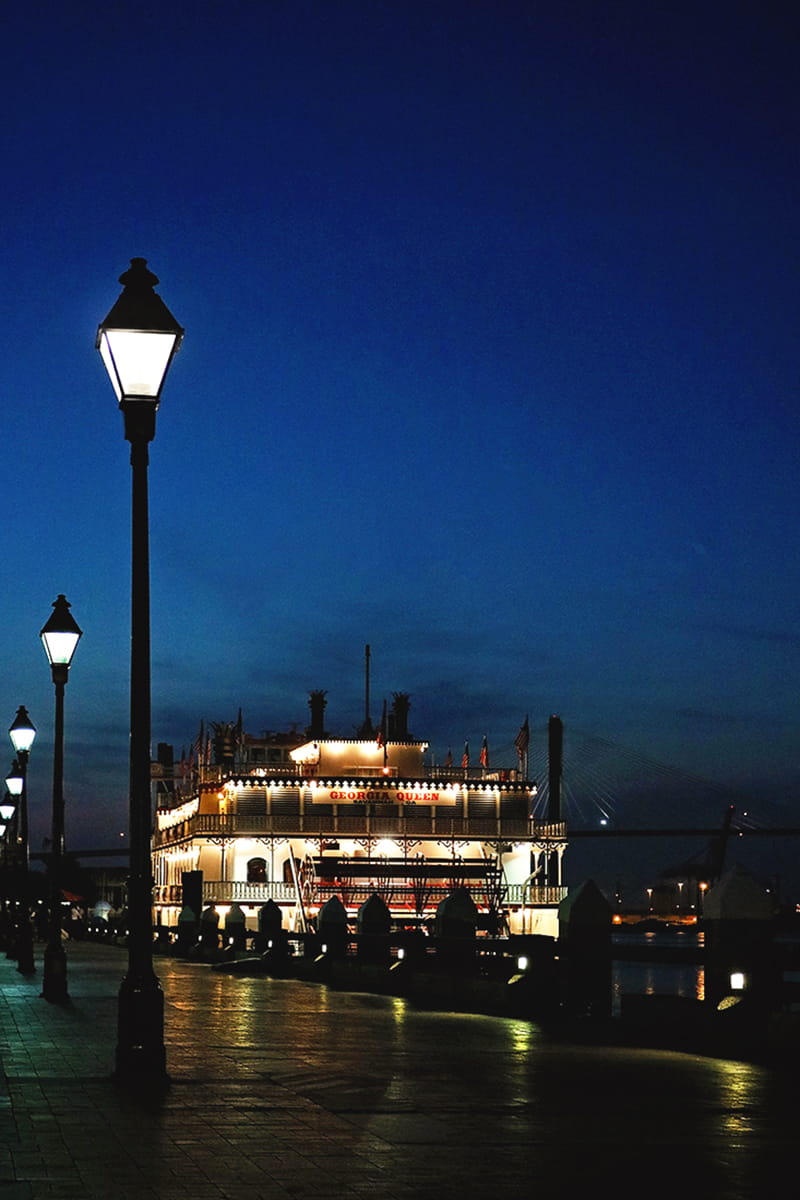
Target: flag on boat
[522, 740]
[485, 752]
[465, 755]
[381, 735]
[448, 762]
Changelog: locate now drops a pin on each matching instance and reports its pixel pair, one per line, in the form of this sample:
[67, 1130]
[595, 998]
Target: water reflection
[686, 980]
[658, 976]
[467, 1105]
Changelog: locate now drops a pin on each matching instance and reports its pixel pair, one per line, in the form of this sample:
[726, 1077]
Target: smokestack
[317, 703]
[401, 703]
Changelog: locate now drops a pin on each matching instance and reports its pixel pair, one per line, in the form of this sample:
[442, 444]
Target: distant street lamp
[22, 734]
[60, 635]
[137, 342]
[702, 888]
[8, 810]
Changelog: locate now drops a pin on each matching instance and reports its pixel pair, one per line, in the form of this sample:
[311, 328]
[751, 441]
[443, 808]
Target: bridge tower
[555, 767]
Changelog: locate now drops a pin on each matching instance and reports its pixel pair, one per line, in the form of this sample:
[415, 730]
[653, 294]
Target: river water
[657, 978]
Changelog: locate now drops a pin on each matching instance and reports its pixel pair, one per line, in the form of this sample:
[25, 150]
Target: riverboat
[298, 818]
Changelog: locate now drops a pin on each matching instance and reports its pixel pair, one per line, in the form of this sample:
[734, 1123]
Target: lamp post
[8, 810]
[137, 342]
[14, 780]
[22, 734]
[60, 635]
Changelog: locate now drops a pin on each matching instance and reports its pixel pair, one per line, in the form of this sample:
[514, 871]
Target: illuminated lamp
[7, 811]
[60, 635]
[15, 779]
[138, 339]
[137, 342]
[22, 732]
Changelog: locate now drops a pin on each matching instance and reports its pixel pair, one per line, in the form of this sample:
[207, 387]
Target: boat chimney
[401, 703]
[317, 704]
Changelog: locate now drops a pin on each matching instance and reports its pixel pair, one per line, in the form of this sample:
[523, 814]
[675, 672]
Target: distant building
[299, 817]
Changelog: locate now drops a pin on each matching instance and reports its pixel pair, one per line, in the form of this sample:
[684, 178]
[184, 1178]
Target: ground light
[137, 341]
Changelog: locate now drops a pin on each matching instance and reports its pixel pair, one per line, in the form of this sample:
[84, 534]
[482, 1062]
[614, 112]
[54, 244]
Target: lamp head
[22, 731]
[137, 342]
[60, 635]
[15, 779]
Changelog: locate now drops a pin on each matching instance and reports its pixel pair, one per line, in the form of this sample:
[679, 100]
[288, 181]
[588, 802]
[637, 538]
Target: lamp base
[141, 1058]
[54, 977]
[25, 962]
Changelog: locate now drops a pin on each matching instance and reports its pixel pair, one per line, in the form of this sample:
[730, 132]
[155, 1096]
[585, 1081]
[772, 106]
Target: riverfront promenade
[283, 1089]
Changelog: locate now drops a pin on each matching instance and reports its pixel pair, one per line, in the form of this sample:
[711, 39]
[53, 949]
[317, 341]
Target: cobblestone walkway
[288, 1090]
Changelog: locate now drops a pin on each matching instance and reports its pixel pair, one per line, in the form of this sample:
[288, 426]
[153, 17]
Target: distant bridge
[596, 786]
[601, 832]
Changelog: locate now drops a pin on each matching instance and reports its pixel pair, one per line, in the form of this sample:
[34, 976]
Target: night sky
[491, 362]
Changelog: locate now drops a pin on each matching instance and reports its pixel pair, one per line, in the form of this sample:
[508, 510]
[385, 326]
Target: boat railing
[312, 824]
[398, 893]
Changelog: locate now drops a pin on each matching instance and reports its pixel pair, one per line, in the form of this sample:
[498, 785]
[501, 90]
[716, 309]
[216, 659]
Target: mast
[367, 730]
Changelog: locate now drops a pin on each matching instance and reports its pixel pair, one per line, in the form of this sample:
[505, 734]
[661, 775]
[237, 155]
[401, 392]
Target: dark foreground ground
[288, 1089]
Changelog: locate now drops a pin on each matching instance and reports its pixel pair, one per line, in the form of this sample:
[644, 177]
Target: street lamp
[7, 937]
[137, 342]
[11, 808]
[60, 635]
[22, 734]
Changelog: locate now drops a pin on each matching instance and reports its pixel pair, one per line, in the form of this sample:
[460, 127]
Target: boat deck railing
[439, 824]
[397, 895]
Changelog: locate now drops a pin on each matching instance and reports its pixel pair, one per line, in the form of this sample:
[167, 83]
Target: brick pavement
[282, 1089]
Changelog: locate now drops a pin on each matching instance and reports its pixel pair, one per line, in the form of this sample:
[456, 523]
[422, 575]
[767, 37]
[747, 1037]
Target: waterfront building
[299, 817]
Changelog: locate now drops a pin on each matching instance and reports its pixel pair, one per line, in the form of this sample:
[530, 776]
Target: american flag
[381, 734]
[465, 755]
[485, 752]
[522, 740]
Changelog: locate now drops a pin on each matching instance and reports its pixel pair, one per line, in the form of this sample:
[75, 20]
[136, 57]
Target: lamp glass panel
[22, 736]
[136, 360]
[14, 784]
[7, 811]
[60, 646]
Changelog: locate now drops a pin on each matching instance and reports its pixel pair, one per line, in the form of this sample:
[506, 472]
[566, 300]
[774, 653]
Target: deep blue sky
[491, 361]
